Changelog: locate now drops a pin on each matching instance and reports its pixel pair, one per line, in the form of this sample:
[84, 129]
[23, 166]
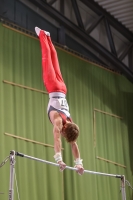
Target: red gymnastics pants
[52, 77]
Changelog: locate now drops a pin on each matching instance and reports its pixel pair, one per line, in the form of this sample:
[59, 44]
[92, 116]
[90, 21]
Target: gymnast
[58, 109]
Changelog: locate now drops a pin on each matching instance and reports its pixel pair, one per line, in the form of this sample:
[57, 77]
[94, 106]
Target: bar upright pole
[11, 184]
[123, 190]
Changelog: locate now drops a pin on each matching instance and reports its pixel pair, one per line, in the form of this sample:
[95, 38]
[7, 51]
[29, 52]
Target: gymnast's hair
[71, 132]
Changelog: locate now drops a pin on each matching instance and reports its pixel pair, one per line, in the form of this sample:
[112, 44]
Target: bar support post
[12, 168]
[123, 191]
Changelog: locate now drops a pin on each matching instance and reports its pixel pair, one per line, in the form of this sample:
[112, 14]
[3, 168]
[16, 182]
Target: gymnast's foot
[37, 30]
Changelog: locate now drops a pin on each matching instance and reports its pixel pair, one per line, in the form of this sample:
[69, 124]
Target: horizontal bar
[67, 167]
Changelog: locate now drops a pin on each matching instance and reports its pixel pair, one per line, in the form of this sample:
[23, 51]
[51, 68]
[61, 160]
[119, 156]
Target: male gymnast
[58, 109]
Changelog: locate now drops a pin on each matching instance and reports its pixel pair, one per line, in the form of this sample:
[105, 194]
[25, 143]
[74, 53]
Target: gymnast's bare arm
[76, 154]
[57, 128]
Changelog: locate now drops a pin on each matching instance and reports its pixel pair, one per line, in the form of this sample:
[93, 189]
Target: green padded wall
[100, 103]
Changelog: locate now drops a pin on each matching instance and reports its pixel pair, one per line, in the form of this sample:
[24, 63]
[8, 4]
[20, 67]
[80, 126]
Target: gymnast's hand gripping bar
[67, 167]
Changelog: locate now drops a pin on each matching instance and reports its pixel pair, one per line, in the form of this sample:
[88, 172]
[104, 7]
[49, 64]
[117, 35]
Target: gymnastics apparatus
[12, 170]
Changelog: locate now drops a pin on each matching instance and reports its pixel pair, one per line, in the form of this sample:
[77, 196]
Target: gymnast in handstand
[58, 109]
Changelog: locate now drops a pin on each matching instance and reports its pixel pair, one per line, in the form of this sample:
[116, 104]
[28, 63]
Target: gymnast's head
[70, 132]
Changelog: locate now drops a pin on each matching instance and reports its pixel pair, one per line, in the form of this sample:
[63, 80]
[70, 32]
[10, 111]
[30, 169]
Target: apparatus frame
[12, 168]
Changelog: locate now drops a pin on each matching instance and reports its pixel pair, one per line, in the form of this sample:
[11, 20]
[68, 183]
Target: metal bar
[110, 38]
[123, 191]
[11, 185]
[67, 167]
[85, 37]
[126, 51]
[62, 7]
[94, 24]
[113, 22]
[61, 35]
[77, 13]
[130, 59]
[51, 2]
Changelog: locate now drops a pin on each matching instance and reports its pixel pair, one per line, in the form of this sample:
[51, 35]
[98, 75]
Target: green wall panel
[23, 113]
